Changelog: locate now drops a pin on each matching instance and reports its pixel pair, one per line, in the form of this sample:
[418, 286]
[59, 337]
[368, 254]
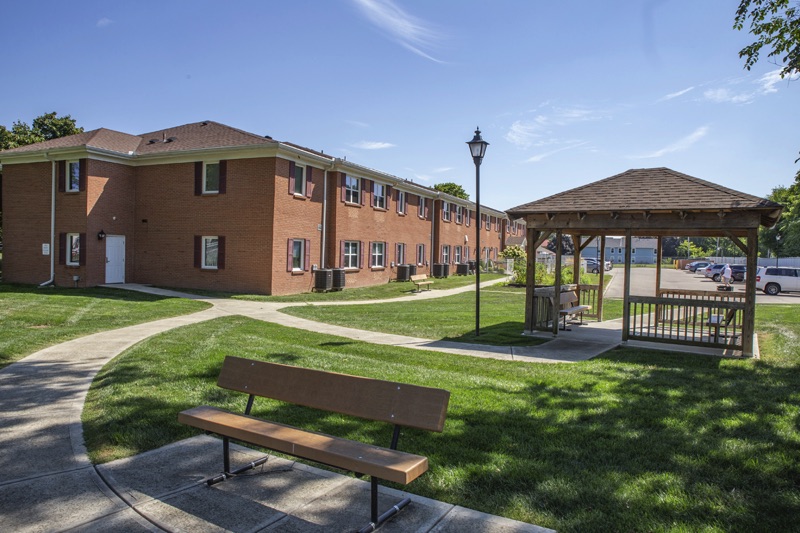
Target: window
[469, 217]
[422, 207]
[401, 202]
[420, 254]
[297, 179]
[445, 253]
[458, 254]
[400, 253]
[351, 254]
[73, 176]
[612, 250]
[377, 255]
[73, 251]
[379, 196]
[352, 193]
[210, 178]
[210, 253]
[446, 211]
[298, 255]
[633, 250]
[459, 215]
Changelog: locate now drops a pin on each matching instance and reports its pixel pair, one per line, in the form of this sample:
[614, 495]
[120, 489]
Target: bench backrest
[396, 403]
[568, 298]
[419, 277]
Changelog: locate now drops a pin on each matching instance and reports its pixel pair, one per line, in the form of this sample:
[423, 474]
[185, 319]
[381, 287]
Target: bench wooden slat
[367, 459]
[396, 403]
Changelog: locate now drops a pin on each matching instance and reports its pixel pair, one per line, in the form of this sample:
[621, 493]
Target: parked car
[592, 265]
[774, 280]
[694, 266]
[714, 271]
[738, 272]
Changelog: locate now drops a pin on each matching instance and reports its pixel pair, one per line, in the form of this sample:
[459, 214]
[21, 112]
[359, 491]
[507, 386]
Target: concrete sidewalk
[48, 484]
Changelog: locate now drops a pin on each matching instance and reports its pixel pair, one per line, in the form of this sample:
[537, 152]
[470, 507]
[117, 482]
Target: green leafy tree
[776, 25]
[453, 189]
[787, 228]
[45, 127]
[689, 249]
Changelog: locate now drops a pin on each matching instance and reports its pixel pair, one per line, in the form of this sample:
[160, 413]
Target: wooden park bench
[399, 404]
[567, 307]
[421, 279]
[715, 322]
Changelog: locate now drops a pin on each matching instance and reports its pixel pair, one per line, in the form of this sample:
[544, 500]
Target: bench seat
[367, 459]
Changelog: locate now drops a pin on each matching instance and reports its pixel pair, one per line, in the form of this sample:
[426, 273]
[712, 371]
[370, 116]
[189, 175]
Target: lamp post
[477, 147]
[777, 248]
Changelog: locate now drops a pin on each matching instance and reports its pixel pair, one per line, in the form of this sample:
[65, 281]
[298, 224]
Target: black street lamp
[477, 147]
[777, 248]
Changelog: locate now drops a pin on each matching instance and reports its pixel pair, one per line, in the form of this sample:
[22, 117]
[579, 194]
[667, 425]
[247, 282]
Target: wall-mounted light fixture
[101, 235]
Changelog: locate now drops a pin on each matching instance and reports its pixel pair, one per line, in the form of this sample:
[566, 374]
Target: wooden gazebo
[652, 202]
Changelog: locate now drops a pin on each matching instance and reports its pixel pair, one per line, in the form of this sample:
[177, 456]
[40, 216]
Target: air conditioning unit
[403, 272]
[338, 279]
[323, 279]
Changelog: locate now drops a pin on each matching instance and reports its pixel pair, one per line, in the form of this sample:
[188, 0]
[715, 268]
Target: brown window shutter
[62, 176]
[291, 177]
[344, 189]
[198, 249]
[62, 249]
[307, 250]
[388, 193]
[82, 179]
[341, 254]
[360, 254]
[220, 252]
[309, 182]
[198, 182]
[223, 177]
[82, 244]
[364, 187]
[289, 252]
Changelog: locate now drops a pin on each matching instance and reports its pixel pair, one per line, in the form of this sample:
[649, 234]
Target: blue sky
[565, 92]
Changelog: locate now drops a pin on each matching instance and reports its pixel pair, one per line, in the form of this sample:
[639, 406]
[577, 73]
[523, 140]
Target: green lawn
[34, 318]
[630, 441]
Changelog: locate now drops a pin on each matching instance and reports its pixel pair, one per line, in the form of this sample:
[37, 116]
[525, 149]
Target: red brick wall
[169, 215]
[26, 222]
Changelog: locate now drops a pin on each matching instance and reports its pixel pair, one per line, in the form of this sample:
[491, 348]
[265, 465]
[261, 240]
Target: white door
[115, 259]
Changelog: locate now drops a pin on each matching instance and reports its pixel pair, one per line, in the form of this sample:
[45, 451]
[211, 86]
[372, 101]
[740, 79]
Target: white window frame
[299, 182]
[352, 254]
[298, 260]
[459, 214]
[423, 206]
[70, 185]
[352, 193]
[446, 254]
[401, 202]
[445, 211]
[205, 243]
[378, 195]
[206, 165]
[73, 247]
[457, 254]
[400, 248]
[377, 254]
[420, 254]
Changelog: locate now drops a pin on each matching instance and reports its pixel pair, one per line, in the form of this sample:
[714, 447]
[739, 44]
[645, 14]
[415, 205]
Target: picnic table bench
[400, 404]
[421, 279]
[715, 322]
[567, 307]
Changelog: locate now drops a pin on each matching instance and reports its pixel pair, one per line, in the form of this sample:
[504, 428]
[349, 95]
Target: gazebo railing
[714, 323]
[588, 295]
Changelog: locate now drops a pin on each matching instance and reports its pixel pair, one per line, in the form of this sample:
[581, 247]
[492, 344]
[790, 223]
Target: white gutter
[52, 224]
[324, 236]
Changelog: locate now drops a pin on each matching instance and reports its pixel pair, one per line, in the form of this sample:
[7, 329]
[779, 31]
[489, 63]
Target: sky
[566, 92]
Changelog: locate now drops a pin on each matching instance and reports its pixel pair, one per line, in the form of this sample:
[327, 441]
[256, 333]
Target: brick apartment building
[208, 206]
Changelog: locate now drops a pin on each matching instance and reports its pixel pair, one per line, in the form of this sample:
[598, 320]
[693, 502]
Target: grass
[34, 318]
[630, 441]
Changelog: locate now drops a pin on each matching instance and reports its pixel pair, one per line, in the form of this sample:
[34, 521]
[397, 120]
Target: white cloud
[676, 94]
[722, 95]
[442, 170]
[679, 145]
[358, 123]
[766, 84]
[372, 145]
[541, 129]
[544, 155]
[410, 32]
[523, 134]
[103, 22]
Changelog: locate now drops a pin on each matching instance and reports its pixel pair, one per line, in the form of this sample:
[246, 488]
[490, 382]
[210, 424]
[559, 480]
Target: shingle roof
[102, 138]
[197, 136]
[645, 189]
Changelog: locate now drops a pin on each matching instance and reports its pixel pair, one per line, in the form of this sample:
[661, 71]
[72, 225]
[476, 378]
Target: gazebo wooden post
[659, 251]
[601, 289]
[576, 259]
[749, 325]
[530, 279]
[558, 282]
[626, 310]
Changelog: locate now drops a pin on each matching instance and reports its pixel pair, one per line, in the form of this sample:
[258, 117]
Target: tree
[776, 24]
[788, 227]
[689, 249]
[453, 189]
[45, 127]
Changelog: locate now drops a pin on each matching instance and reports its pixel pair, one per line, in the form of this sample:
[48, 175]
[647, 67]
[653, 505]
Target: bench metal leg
[377, 521]
[226, 461]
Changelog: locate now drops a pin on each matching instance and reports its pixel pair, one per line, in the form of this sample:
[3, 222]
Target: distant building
[643, 250]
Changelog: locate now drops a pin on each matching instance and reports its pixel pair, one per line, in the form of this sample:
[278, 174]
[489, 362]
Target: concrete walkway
[48, 484]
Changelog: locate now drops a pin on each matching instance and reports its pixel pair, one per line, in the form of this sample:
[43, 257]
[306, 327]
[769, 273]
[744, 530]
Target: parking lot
[643, 283]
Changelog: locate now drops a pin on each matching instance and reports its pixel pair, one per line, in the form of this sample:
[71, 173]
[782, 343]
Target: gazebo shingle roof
[650, 189]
